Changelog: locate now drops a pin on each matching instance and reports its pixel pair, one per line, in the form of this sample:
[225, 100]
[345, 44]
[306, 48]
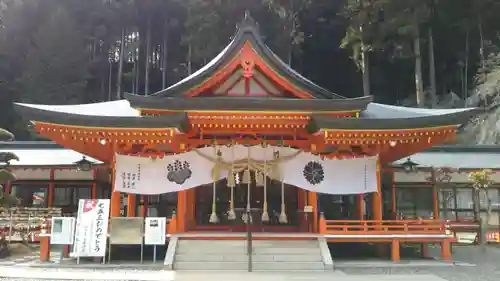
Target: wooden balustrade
[381, 227]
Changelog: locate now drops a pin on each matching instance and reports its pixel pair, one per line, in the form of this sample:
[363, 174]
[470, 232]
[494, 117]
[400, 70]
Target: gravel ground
[486, 261]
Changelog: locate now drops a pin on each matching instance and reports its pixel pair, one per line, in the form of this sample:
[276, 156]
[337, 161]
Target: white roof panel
[457, 160]
[119, 108]
[46, 157]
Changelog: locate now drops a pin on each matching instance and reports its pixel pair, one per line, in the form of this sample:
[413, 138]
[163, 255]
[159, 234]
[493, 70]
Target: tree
[440, 179]
[5, 176]
[57, 64]
[481, 182]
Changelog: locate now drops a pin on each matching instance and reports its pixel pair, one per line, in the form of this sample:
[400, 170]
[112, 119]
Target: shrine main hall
[248, 142]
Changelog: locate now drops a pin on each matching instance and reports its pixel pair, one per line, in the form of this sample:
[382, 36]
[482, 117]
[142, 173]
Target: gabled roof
[247, 32]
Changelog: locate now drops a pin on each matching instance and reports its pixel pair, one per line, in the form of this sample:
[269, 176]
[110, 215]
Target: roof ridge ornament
[248, 22]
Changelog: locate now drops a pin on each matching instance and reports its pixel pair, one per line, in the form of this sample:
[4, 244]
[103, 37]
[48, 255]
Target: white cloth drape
[146, 176]
[331, 176]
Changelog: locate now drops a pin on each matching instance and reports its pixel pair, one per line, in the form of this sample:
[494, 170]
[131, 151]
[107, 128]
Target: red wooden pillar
[94, 184]
[393, 198]
[44, 248]
[360, 206]
[395, 250]
[377, 196]
[50, 195]
[115, 196]
[131, 206]
[7, 187]
[446, 250]
[313, 202]
[181, 211]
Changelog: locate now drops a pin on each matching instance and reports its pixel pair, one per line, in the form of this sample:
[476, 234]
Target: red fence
[371, 227]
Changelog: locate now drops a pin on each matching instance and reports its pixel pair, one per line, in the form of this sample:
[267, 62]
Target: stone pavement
[16, 273]
[471, 264]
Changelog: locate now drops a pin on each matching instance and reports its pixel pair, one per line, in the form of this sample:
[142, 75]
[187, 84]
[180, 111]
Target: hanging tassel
[231, 182]
[275, 172]
[283, 218]
[213, 216]
[246, 177]
[231, 215]
[265, 214]
[259, 179]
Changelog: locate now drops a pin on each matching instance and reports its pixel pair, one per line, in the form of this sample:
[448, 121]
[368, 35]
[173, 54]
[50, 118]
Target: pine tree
[56, 67]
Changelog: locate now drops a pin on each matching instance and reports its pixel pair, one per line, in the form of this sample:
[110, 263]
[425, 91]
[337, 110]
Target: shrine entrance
[294, 204]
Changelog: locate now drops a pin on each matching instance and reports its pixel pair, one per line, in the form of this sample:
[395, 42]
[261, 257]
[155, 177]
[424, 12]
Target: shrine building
[247, 97]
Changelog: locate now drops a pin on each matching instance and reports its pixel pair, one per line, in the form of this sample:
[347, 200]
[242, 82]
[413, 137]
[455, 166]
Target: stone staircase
[268, 255]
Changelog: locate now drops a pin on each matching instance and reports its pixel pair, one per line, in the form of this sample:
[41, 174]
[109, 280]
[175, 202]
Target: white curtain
[331, 176]
[146, 176]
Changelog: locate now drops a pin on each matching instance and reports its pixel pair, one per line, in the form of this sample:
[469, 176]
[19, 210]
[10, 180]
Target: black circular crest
[314, 173]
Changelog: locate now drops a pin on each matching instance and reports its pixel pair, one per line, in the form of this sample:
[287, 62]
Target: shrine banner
[147, 176]
[91, 228]
[173, 173]
[331, 176]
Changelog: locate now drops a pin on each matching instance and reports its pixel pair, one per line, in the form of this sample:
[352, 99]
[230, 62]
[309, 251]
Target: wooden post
[377, 196]
[360, 206]
[446, 250]
[395, 248]
[425, 250]
[44, 248]
[181, 211]
[66, 251]
[115, 196]
[94, 184]
[142, 207]
[50, 195]
[435, 197]
[313, 202]
[393, 198]
[8, 187]
[322, 224]
[131, 206]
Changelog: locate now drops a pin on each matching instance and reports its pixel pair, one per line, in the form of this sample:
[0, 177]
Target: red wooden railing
[373, 227]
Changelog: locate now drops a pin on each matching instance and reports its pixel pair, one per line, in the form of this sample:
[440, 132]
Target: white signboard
[91, 228]
[155, 231]
[62, 231]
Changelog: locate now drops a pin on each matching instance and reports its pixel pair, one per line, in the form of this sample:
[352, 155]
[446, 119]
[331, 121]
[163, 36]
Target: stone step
[243, 258]
[234, 250]
[257, 266]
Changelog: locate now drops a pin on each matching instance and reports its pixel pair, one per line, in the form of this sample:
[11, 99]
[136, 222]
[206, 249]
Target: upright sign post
[62, 232]
[155, 229]
[91, 228]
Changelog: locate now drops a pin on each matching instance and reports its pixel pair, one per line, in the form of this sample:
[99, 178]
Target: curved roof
[34, 113]
[388, 117]
[248, 103]
[375, 117]
[247, 32]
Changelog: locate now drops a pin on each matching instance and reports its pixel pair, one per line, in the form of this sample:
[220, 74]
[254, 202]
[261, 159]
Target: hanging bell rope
[245, 217]
[259, 179]
[213, 216]
[231, 182]
[265, 214]
[283, 218]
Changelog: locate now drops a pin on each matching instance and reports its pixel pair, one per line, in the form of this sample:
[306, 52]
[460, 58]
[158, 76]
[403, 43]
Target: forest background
[425, 53]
